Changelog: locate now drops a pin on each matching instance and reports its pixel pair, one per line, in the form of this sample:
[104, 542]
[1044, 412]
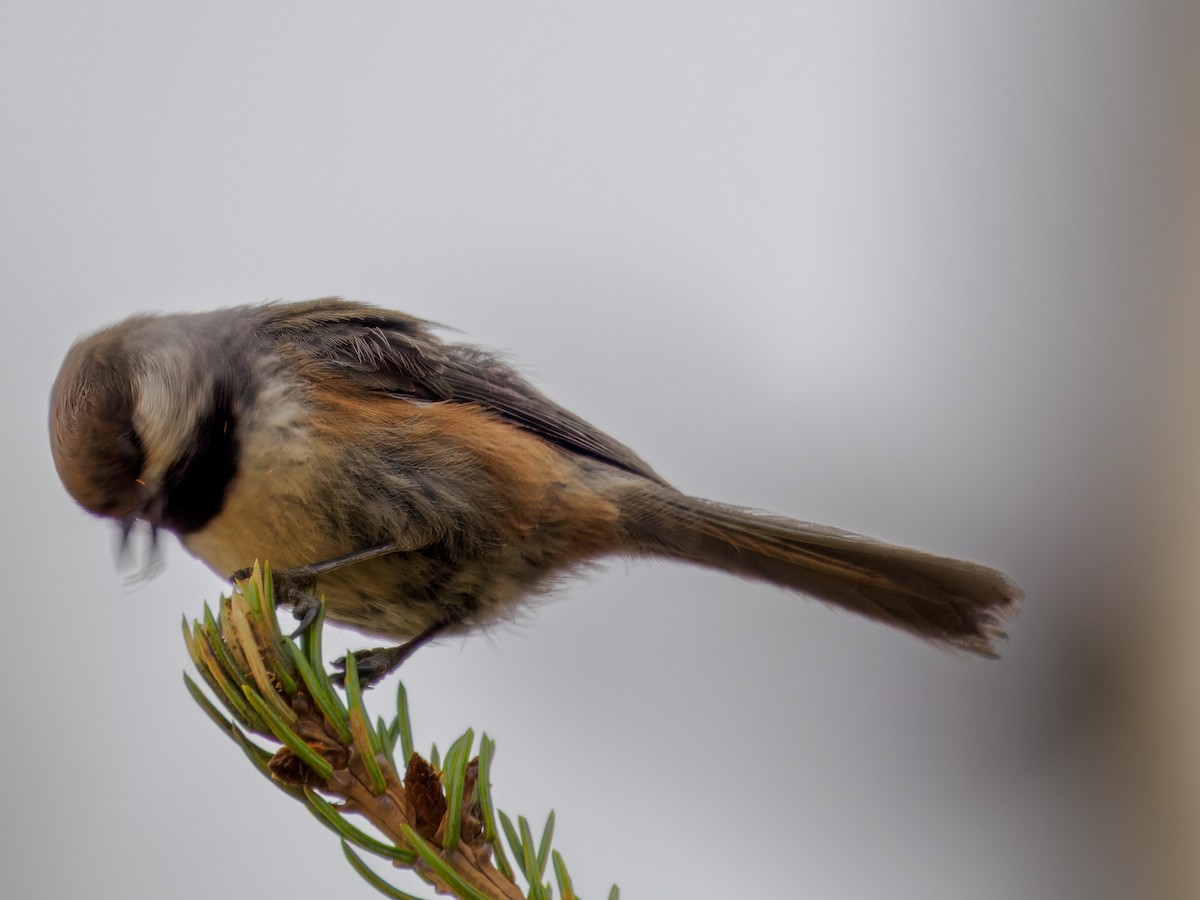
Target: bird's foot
[376, 664]
[294, 587]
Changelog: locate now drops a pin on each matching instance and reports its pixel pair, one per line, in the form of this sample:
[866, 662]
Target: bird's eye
[131, 444]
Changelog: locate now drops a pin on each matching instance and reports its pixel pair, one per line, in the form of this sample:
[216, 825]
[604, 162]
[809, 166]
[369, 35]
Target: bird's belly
[484, 514]
[400, 595]
[464, 583]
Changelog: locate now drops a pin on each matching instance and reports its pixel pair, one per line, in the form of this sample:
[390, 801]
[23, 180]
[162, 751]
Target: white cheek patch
[172, 394]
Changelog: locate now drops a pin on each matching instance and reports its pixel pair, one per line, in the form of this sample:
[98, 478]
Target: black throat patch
[196, 484]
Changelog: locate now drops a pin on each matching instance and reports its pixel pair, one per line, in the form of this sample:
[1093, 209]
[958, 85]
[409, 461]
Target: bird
[424, 485]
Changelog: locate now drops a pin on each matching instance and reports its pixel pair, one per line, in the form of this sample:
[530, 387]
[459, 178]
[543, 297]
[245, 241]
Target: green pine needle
[264, 682]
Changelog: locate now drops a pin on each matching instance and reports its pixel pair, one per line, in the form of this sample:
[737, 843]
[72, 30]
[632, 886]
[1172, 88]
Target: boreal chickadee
[443, 487]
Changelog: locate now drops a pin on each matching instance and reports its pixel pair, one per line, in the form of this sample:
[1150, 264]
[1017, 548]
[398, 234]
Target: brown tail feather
[958, 603]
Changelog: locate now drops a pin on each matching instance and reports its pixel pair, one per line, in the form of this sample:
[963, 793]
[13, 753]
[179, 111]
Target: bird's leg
[294, 586]
[376, 664]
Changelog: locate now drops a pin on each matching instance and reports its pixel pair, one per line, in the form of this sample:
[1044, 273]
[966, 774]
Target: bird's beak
[149, 512]
[127, 524]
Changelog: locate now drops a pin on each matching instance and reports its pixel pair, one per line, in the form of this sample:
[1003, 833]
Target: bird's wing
[398, 354]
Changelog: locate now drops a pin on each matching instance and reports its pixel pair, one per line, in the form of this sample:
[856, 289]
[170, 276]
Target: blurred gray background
[918, 270]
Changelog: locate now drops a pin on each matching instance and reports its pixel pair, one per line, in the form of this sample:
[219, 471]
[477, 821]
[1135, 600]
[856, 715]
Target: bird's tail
[950, 601]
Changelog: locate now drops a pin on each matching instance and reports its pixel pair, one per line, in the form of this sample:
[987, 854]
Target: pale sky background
[901, 268]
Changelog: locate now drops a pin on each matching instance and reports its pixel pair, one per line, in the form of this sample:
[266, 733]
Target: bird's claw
[305, 609]
[293, 587]
[372, 666]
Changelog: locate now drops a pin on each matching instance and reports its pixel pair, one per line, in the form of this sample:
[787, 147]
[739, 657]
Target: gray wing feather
[398, 354]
